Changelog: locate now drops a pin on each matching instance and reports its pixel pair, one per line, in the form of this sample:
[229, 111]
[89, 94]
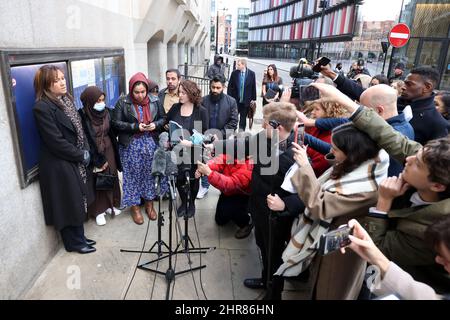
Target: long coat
[62, 187]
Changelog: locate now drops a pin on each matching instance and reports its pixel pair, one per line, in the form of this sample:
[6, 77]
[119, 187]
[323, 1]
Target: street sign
[399, 35]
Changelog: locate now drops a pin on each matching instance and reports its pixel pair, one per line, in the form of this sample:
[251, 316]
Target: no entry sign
[399, 35]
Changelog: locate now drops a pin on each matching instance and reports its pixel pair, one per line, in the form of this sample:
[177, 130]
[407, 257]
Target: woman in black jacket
[137, 119]
[189, 114]
[64, 157]
[98, 125]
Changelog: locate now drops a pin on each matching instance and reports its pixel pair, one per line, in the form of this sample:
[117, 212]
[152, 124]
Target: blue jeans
[204, 181]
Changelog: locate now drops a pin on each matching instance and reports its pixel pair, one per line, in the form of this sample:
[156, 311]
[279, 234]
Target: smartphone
[322, 62]
[334, 240]
[300, 134]
[308, 93]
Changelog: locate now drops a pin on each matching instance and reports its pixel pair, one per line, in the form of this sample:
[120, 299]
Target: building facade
[428, 45]
[150, 44]
[242, 31]
[285, 29]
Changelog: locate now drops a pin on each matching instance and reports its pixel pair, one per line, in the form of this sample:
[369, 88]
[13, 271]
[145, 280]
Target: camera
[308, 93]
[334, 240]
[302, 75]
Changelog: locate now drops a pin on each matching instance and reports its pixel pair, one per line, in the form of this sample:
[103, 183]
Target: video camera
[302, 75]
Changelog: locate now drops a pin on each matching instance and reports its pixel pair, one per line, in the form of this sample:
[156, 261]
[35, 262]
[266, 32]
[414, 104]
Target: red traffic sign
[399, 35]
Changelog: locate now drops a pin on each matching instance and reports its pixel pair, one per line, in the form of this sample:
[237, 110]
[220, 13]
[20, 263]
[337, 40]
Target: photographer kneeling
[232, 177]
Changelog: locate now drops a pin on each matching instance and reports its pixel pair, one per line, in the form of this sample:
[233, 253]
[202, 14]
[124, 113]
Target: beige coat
[334, 276]
[401, 283]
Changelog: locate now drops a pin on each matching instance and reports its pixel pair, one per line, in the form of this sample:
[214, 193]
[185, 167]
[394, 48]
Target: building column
[157, 61]
[172, 55]
[181, 53]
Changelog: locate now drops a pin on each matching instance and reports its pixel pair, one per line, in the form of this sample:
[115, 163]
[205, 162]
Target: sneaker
[100, 219]
[116, 211]
[202, 192]
[244, 232]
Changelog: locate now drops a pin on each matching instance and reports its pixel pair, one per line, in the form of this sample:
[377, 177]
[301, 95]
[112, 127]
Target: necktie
[241, 91]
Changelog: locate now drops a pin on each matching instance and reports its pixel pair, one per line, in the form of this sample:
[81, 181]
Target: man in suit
[242, 87]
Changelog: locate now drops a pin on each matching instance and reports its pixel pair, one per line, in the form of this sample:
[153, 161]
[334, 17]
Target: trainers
[100, 219]
[116, 211]
[202, 192]
[244, 232]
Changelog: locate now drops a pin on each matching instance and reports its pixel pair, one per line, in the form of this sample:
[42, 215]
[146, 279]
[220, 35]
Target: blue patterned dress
[137, 159]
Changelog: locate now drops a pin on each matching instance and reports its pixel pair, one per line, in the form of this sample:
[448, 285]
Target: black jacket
[249, 87]
[62, 188]
[227, 117]
[427, 122]
[125, 119]
[99, 159]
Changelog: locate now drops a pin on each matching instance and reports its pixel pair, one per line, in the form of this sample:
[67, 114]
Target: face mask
[99, 106]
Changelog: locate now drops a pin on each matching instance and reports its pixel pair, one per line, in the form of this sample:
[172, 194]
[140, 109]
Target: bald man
[383, 99]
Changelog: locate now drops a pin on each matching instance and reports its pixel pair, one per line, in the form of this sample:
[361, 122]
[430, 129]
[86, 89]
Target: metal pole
[320, 35]
[384, 62]
[217, 31]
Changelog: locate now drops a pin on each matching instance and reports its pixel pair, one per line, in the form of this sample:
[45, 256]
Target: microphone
[158, 166]
[171, 166]
[164, 141]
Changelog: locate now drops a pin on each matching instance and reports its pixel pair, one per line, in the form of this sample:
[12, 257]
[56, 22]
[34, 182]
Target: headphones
[274, 124]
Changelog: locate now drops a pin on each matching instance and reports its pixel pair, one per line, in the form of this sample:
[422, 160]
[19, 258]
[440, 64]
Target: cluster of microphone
[164, 161]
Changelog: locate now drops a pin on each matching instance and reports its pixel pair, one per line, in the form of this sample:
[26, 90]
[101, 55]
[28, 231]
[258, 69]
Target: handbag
[104, 181]
[251, 113]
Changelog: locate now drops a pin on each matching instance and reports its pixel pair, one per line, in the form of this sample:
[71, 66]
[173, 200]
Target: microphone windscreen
[164, 140]
[159, 163]
[171, 165]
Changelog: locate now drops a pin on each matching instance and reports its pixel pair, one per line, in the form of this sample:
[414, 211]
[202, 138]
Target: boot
[151, 213]
[137, 215]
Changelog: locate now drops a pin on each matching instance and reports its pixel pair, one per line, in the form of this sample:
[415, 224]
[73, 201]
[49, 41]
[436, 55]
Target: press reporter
[393, 278]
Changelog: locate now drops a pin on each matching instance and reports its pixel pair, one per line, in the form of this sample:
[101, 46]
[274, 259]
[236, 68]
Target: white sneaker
[116, 211]
[100, 219]
[202, 192]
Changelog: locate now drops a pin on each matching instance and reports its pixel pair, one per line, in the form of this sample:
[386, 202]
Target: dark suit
[227, 113]
[249, 93]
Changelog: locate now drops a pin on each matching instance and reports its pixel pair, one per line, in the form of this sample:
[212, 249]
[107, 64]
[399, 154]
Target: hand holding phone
[309, 93]
[334, 240]
[323, 61]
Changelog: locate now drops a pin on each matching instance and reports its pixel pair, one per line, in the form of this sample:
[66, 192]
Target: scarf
[99, 120]
[147, 117]
[306, 230]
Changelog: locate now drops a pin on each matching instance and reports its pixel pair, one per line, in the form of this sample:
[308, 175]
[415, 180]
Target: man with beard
[223, 116]
[169, 95]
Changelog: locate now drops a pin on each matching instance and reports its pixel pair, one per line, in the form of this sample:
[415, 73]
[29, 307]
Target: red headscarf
[140, 77]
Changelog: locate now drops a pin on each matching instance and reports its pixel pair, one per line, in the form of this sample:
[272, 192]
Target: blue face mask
[99, 106]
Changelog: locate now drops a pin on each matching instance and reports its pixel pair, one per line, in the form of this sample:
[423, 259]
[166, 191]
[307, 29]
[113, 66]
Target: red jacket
[230, 179]
[319, 163]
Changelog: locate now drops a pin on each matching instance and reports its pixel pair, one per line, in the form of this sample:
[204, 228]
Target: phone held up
[308, 93]
[322, 62]
[334, 240]
[299, 137]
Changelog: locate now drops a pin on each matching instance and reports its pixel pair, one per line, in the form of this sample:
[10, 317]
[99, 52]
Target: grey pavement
[109, 274]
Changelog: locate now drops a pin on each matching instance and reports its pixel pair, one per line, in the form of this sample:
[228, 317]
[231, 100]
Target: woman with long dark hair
[345, 191]
[273, 82]
[98, 124]
[190, 115]
[64, 175]
[137, 119]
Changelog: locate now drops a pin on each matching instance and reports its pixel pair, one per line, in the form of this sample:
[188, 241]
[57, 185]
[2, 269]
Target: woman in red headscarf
[137, 119]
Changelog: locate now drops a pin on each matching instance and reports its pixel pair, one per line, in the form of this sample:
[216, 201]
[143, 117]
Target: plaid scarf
[306, 230]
